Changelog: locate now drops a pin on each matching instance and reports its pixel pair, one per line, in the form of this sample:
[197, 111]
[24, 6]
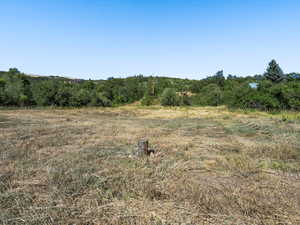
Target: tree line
[272, 90]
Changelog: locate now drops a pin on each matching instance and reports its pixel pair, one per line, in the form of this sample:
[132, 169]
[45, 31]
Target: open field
[212, 166]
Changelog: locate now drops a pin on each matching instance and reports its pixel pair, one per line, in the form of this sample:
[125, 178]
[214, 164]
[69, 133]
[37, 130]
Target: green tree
[291, 93]
[147, 100]
[44, 92]
[99, 99]
[150, 93]
[220, 79]
[211, 95]
[274, 72]
[63, 95]
[169, 97]
[2, 87]
[14, 93]
[81, 97]
[217, 79]
[13, 71]
[185, 99]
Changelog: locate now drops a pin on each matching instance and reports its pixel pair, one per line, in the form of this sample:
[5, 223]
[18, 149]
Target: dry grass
[212, 166]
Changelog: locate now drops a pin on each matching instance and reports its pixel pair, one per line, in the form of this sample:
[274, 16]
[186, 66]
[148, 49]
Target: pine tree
[274, 72]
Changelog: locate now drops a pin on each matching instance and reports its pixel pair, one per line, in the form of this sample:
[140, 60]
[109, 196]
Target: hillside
[272, 90]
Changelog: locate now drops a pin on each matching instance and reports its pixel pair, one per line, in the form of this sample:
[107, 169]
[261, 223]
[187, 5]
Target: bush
[185, 99]
[2, 88]
[148, 100]
[44, 93]
[99, 99]
[245, 97]
[263, 102]
[291, 93]
[211, 95]
[169, 97]
[82, 97]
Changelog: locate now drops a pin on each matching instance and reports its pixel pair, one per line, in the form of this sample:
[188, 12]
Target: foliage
[2, 94]
[147, 100]
[274, 90]
[169, 97]
[210, 95]
[185, 99]
[274, 72]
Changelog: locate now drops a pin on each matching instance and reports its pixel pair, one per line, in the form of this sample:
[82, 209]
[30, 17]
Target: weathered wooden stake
[143, 148]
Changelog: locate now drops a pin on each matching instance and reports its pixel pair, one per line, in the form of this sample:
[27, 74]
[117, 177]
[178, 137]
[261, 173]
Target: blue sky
[180, 38]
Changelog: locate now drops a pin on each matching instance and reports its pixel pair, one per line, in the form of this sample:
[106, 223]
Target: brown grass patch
[212, 166]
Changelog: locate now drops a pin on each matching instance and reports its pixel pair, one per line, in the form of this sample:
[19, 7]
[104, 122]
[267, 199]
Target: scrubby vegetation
[212, 166]
[272, 90]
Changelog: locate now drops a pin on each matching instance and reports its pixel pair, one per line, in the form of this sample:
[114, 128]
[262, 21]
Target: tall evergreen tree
[274, 72]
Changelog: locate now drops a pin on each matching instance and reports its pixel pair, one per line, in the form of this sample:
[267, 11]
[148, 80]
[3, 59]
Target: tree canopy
[273, 90]
[274, 72]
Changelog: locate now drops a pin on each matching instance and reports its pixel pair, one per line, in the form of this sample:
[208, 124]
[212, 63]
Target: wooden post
[143, 147]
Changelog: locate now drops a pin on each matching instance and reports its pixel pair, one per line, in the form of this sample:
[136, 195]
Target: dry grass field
[212, 166]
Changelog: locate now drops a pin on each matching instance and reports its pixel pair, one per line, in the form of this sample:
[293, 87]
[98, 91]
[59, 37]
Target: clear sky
[180, 38]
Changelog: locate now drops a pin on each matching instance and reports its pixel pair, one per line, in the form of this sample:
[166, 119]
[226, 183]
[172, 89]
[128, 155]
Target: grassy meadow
[211, 166]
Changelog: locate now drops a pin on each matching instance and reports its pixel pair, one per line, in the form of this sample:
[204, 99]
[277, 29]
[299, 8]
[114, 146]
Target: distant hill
[43, 77]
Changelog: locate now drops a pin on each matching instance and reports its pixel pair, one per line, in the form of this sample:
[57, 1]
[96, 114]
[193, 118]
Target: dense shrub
[169, 97]
[210, 95]
[185, 100]
[99, 99]
[291, 94]
[147, 100]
